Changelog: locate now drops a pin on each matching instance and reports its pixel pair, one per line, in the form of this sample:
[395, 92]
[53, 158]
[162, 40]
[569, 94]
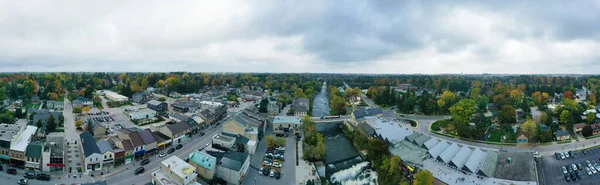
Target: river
[321, 103]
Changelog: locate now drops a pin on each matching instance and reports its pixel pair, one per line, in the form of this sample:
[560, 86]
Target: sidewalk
[304, 168]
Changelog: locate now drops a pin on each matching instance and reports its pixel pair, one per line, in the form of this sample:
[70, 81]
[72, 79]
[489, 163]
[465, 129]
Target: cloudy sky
[301, 36]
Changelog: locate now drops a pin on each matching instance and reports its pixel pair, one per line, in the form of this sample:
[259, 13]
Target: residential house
[108, 155]
[82, 102]
[301, 107]
[18, 146]
[185, 107]
[57, 105]
[177, 132]
[93, 157]
[286, 124]
[35, 100]
[149, 141]
[579, 127]
[7, 133]
[141, 97]
[206, 165]
[177, 117]
[33, 154]
[174, 171]
[562, 135]
[157, 105]
[53, 153]
[231, 166]
[522, 139]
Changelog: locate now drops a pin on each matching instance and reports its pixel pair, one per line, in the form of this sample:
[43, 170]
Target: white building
[115, 96]
[224, 141]
[232, 166]
[143, 113]
[93, 157]
[174, 171]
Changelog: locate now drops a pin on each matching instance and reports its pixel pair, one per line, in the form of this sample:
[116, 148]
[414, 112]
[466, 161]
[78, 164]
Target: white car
[588, 171]
[566, 155]
[281, 148]
[277, 165]
[574, 167]
[562, 156]
[589, 164]
[564, 169]
[594, 171]
[161, 155]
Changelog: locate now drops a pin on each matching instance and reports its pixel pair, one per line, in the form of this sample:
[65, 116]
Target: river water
[320, 103]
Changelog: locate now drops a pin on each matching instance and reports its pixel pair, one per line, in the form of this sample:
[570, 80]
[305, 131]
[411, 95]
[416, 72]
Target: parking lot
[288, 171]
[551, 172]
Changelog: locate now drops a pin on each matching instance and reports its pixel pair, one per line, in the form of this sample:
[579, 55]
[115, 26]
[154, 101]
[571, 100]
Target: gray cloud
[312, 36]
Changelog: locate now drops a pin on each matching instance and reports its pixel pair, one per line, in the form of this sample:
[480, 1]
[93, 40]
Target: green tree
[529, 128]
[271, 142]
[423, 177]
[565, 116]
[162, 99]
[280, 141]
[462, 111]
[77, 110]
[19, 113]
[3, 94]
[590, 117]
[475, 93]
[507, 115]
[51, 123]
[482, 102]
[264, 103]
[39, 123]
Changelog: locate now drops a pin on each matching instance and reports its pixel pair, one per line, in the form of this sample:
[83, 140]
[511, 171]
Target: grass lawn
[62, 98]
[495, 136]
[32, 106]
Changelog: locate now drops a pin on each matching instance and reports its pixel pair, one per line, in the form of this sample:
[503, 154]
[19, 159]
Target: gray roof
[449, 153]
[421, 140]
[488, 166]
[367, 129]
[180, 117]
[178, 127]
[413, 136]
[561, 132]
[88, 144]
[461, 157]
[34, 149]
[104, 146]
[359, 113]
[438, 149]
[160, 137]
[431, 143]
[229, 160]
[136, 140]
[154, 102]
[238, 138]
[147, 136]
[474, 161]
[240, 120]
[45, 114]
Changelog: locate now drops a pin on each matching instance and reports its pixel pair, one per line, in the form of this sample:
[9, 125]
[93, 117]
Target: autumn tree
[590, 117]
[85, 109]
[448, 98]
[475, 93]
[78, 124]
[565, 116]
[568, 95]
[529, 128]
[271, 142]
[462, 111]
[423, 177]
[537, 97]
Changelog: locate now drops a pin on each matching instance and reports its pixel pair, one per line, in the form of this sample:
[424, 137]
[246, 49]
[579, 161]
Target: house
[177, 117]
[143, 113]
[157, 105]
[579, 127]
[53, 153]
[98, 130]
[161, 140]
[208, 116]
[522, 139]
[196, 122]
[108, 155]
[185, 107]
[206, 165]
[149, 141]
[222, 140]
[18, 147]
[44, 115]
[33, 154]
[174, 94]
[57, 105]
[82, 102]
[301, 107]
[141, 97]
[177, 132]
[231, 166]
[35, 100]
[138, 144]
[562, 135]
[119, 154]
[544, 127]
[241, 125]
[286, 124]
[127, 148]
[91, 151]
[174, 171]
[116, 97]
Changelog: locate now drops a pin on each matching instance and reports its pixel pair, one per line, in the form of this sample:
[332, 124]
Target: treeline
[313, 145]
[337, 101]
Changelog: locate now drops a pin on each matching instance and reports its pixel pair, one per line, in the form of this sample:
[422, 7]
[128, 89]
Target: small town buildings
[174, 171]
[93, 157]
[177, 132]
[138, 144]
[127, 148]
[57, 105]
[206, 165]
[273, 108]
[301, 107]
[141, 97]
[579, 127]
[143, 113]
[157, 105]
[177, 117]
[562, 135]
[286, 124]
[44, 115]
[231, 166]
[149, 141]
[33, 154]
[35, 100]
[185, 107]
[53, 153]
[108, 155]
[116, 97]
[7, 133]
[98, 130]
[18, 146]
[82, 102]
[223, 140]
[119, 153]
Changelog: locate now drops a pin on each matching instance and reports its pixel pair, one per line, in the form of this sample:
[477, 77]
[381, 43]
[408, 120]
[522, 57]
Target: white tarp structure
[474, 161]
[449, 153]
[438, 149]
[461, 157]
[431, 143]
[390, 130]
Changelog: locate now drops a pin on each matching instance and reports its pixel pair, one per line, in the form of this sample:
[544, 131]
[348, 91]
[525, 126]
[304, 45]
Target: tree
[529, 128]
[462, 111]
[18, 113]
[3, 93]
[482, 102]
[568, 95]
[162, 99]
[78, 124]
[86, 109]
[53, 96]
[516, 95]
[565, 116]
[545, 97]
[51, 123]
[590, 117]
[280, 141]
[77, 110]
[537, 97]
[474, 94]
[587, 131]
[38, 123]
[271, 142]
[264, 103]
[448, 98]
[423, 177]
[507, 115]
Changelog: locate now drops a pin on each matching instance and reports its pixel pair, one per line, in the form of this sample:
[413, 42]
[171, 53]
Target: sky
[333, 36]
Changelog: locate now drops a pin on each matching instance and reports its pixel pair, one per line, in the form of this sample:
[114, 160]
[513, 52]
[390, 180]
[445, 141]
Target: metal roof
[488, 166]
[286, 119]
[461, 157]
[146, 136]
[34, 149]
[438, 149]
[88, 144]
[449, 153]
[203, 160]
[431, 143]
[421, 140]
[104, 146]
[474, 161]
[413, 136]
[389, 130]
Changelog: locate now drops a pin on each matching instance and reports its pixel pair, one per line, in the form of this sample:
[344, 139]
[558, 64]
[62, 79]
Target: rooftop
[521, 167]
[286, 119]
[390, 130]
[114, 94]
[7, 131]
[202, 159]
[34, 149]
[154, 102]
[103, 145]
[88, 144]
[180, 168]
[224, 138]
[20, 144]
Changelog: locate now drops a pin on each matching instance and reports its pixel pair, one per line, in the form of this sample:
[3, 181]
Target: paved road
[73, 153]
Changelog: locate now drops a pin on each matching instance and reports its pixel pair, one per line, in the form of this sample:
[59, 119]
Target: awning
[140, 152]
[410, 168]
[4, 157]
[56, 165]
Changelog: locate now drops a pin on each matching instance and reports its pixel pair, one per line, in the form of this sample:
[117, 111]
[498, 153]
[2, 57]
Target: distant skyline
[408, 37]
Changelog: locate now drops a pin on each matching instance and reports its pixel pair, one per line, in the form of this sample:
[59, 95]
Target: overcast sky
[352, 36]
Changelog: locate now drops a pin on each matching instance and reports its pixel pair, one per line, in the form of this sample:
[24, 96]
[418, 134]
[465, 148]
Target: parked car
[594, 171]
[29, 175]
[571, 154]
[588, 171]
[179, 146]
[562, 156]
[272, 174]
[277, 165]
[277, 175]
[567, 178]
[589, 164]
[260, 171]
[266, 172]
[573, 176]
[161, 155]
[12, 171]
[564, 169]
[578, 174]
[584, 152]
[145, 162]
[22, 181]
[171, 150]
[574, 167]
[42, 176]
[579, 166]
[139, 170]
[566, 155]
